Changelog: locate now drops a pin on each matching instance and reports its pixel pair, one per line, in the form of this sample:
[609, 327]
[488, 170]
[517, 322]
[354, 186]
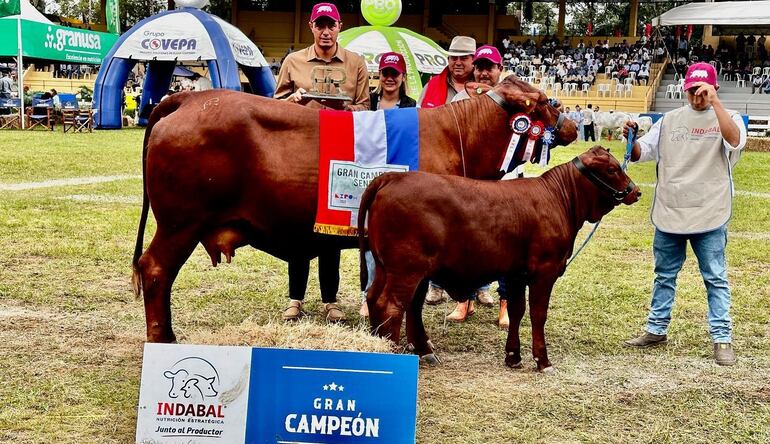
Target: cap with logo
[393, 60]
[490, 53]
[325, 10]
[462, 46]
[700, 72]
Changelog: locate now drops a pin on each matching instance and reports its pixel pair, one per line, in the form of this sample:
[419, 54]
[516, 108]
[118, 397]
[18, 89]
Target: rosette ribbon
[535, 132]
[548, 138]
[520, 124]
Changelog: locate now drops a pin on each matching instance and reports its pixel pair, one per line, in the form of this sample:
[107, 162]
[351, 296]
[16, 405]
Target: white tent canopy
[722, 13]
[29, 13]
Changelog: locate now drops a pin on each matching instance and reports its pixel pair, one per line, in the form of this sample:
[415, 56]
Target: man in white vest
[695, 148]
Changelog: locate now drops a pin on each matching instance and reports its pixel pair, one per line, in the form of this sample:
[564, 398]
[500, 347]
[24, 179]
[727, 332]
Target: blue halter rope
[626, 158]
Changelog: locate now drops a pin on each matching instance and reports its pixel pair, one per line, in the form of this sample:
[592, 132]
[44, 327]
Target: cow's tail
[166, 107]
[366, 202]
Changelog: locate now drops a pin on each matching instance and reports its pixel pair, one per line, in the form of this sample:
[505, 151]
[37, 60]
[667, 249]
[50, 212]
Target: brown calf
[463, 233]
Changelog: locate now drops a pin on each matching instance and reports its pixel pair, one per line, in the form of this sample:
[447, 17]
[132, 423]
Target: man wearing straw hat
[442, 88]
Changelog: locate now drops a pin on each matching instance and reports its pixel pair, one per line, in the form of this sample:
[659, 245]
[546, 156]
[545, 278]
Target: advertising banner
[60, 43]
[215, 394]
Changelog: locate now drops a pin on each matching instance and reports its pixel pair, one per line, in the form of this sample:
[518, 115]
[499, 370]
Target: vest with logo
[693, 193]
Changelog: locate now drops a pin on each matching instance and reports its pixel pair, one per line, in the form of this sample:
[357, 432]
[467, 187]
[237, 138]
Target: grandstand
[734, 94]
[42, 79]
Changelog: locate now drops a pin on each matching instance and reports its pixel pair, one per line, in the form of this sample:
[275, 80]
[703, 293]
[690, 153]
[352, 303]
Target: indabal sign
[254, 395]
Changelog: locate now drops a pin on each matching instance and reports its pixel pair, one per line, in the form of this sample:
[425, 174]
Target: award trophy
[325, 89]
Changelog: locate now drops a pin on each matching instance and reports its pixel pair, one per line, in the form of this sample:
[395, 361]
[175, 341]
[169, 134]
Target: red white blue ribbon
[520, 124]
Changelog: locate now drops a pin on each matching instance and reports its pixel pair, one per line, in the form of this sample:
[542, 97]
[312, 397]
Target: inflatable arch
[163, 41]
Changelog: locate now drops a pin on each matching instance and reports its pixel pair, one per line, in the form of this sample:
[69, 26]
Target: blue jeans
[670, 251]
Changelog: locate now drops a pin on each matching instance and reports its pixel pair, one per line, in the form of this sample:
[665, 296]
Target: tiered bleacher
[743, 75]
[615, 77]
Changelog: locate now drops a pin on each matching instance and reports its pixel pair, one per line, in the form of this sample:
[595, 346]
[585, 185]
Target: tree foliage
[606, 17]
[131, 11]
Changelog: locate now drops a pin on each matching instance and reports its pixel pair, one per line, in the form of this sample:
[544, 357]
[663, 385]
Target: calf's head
[604, 171]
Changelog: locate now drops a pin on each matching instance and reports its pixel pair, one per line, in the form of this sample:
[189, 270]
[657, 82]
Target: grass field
[72, 333]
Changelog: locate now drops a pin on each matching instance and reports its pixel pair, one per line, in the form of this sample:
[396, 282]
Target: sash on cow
[354, 149]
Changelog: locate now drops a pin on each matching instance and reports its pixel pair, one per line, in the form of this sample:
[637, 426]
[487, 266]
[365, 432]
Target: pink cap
[325, 10]
[490, 53]
[700, 72]
[393, 60]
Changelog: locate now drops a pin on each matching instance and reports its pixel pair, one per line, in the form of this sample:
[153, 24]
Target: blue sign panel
[304, 396]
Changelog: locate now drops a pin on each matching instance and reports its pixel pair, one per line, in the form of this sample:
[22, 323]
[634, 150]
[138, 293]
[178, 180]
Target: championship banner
[218, 394]
[354, 149]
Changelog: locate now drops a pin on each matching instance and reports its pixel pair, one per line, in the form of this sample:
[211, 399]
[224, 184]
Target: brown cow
[228, 169]
[425, 226]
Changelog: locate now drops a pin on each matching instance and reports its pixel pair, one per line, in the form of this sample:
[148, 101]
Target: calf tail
[366, 202]
[165, 108]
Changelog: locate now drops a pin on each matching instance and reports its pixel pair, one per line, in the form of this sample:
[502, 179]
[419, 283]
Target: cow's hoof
[513, 362]
[430, 359]
[548, 370]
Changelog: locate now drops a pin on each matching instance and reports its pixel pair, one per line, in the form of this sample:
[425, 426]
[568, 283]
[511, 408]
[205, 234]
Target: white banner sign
[193, 393]
[171, 37]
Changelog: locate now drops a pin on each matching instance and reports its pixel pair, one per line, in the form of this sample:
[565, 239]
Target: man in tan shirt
[295, 79]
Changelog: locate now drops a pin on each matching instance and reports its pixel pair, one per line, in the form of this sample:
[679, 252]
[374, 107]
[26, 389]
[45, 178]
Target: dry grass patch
[300, 335]
[758, 144]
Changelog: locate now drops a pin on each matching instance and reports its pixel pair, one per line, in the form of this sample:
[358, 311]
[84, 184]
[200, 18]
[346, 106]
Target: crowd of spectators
[72, 70]
[746, 61]
[580, 64]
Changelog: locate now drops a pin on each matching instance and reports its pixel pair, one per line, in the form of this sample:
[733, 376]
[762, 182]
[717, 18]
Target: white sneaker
[435, 296]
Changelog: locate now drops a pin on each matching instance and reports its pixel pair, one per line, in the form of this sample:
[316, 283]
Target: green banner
[113, 16]
[10, 7]
[52, 42]
[8, 45]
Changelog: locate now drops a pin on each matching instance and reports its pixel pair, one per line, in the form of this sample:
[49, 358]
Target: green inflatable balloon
[381, 12]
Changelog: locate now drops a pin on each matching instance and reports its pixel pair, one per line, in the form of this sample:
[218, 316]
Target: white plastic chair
[670, 89]
[602, 90]
[619, 90]
[740, 83]
[766, 71]
[584, 89]
[628, 90]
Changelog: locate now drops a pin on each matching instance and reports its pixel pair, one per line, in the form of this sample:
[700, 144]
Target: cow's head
[520, 95]
[178, 380]
[605, 173]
